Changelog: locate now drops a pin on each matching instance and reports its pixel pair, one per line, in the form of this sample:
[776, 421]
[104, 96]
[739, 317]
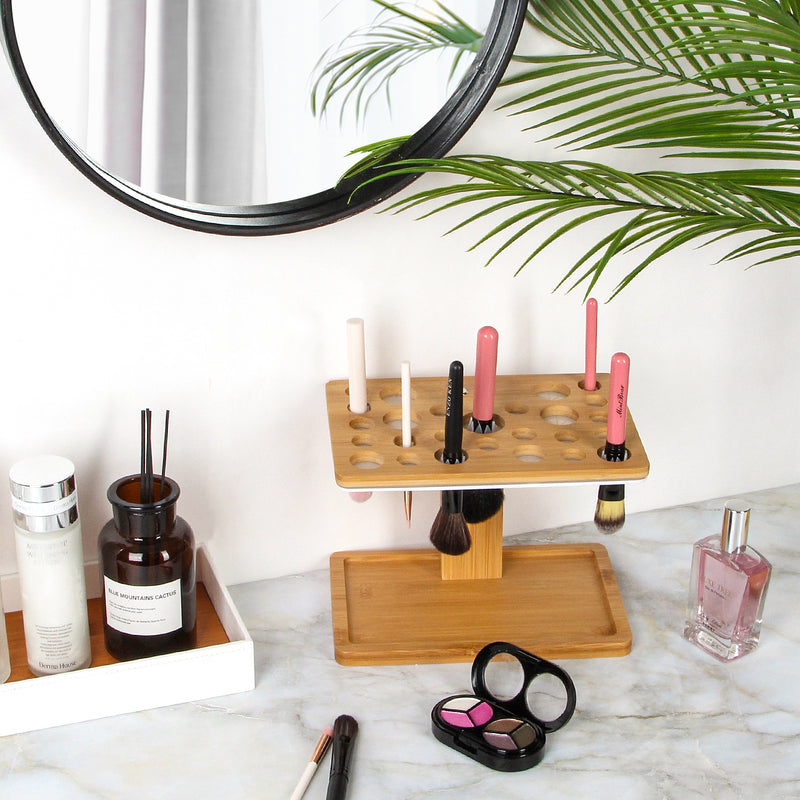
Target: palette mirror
[504, 676]
[546, 697]
[242, 117]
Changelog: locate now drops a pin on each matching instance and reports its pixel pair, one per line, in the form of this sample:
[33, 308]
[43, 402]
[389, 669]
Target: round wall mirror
[242, 117]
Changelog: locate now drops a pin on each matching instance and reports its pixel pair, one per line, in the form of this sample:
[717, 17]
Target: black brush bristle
[481, 504]
[449, 533]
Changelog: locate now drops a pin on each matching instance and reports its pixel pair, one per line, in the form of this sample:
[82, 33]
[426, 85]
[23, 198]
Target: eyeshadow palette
[503, 732]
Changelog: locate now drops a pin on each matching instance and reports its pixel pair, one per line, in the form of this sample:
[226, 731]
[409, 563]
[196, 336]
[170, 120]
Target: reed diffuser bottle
[147, 556]
[47, 532]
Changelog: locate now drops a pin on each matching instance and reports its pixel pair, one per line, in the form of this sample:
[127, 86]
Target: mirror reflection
[211, 102]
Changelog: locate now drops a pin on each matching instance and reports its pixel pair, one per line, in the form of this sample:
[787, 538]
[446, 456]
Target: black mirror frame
[433, 140]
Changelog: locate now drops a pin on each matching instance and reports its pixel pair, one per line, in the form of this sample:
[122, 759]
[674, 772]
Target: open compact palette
[505, 733]
[420, 606]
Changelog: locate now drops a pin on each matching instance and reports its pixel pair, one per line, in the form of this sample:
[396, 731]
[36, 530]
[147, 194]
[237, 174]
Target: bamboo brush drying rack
[420, 606]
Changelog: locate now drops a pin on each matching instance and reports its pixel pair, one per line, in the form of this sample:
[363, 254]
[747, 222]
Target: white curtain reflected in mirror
[211, 102]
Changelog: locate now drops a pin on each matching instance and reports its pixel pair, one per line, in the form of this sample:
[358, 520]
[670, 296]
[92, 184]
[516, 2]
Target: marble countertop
[665, 721]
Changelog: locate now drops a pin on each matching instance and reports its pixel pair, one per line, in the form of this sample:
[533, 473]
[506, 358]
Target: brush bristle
[345, 725]
[481, 504]
[449, 533]
[609, 515]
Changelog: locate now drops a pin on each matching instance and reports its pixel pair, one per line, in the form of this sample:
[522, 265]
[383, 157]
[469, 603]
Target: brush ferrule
[612, 493]
[615, 452]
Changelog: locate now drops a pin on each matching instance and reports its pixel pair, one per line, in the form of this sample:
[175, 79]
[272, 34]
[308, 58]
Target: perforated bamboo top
[548, 429]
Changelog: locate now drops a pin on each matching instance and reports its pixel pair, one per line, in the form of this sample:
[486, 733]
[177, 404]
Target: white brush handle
[357, 366]
[305, 779]
[405, 400]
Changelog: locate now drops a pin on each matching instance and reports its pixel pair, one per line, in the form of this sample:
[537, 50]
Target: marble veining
[666, 721]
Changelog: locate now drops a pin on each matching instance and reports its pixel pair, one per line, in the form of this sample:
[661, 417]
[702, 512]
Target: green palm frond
[656, 212]
[722, 78]
[361, 67]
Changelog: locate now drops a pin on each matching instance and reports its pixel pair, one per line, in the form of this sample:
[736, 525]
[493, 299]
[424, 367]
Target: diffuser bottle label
[143, 610]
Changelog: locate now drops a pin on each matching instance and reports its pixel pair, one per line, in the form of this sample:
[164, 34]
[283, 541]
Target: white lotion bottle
[47, 531]
[5, 656]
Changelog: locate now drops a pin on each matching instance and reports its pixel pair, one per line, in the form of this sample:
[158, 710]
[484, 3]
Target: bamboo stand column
[484, 559]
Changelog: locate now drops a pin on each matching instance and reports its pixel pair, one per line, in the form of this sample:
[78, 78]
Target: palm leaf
[657, 212]
[362, 67]
[734, 63]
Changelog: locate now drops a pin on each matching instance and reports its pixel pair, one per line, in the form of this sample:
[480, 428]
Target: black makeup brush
[449, 532]
[345, 729]
[481, 504]
[609, 515]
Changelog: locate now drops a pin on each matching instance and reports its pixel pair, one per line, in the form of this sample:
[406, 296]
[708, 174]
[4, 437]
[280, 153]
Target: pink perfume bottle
[727, 590]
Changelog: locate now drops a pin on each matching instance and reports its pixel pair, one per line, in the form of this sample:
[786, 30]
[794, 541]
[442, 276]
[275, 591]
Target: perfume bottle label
[143, 610]
[710, 643]
[722, 593]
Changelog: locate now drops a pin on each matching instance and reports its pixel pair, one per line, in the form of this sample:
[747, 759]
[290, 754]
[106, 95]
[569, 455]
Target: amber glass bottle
[147, 558]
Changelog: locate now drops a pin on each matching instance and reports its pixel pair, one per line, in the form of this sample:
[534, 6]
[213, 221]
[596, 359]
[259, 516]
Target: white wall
[104, 311]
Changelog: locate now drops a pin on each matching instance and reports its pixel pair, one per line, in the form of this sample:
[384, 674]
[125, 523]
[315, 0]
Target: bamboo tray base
[557, 601]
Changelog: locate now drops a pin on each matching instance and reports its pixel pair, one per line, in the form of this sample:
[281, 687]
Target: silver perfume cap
[735, 525]
[43, 493]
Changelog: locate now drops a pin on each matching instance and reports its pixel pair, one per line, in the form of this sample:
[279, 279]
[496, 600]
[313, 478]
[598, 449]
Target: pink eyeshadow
[481, 714]
[459, 719]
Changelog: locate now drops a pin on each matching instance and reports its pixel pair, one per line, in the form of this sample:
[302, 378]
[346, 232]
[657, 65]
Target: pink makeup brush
[481, 504]
[485, 377]
[590, 374]
[609, 516]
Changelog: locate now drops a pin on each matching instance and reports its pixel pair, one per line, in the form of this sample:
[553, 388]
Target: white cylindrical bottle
[5, 657]
[50, 562]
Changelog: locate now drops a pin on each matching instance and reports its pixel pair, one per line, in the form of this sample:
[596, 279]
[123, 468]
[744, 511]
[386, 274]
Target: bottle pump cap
[43, 494]
[735, 524]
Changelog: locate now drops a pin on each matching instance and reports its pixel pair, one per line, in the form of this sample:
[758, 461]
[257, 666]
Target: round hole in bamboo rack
[582, 385]
[574, 454]
[406, 459]
[363, 440]
[439, 453]
[599, 418]
[398, 440]
[394, 419]
[369, 459]
[551, 391]
[393, 395]
[596, 400]
[566, 437]
[601, 451]
[524, 434]
[361, 424]
[485, 443]
[517, 408]
[559, 415]
[529, 453]
[437, 411]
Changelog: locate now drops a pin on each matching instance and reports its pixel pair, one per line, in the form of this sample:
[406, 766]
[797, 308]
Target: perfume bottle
[47, 533]
[147, 556]
[727, 591]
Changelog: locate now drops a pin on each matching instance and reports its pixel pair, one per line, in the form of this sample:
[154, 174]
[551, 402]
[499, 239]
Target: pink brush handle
[485, 373]
[590, 375]
[618, 398]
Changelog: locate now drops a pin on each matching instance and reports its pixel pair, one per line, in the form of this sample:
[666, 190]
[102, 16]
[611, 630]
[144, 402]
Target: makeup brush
[345, 729]
[590, 372]
[609, 516]
[405, 405]
[449, 532]
[308, 773]
[481, 504]
[357, 380]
